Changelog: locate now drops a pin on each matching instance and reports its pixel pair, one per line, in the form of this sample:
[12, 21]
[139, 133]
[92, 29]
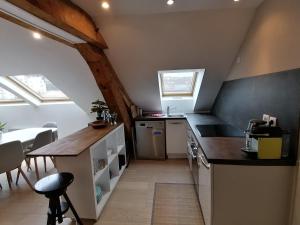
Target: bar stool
[53, 187]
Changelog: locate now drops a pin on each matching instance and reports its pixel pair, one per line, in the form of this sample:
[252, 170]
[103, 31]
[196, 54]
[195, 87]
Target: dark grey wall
[275, 94]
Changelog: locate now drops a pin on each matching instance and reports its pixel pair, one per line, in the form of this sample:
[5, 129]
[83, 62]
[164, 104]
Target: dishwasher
[150, 140]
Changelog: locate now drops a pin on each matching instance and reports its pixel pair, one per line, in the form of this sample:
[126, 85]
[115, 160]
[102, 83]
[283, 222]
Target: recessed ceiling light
[37, 35]
[236, 0]
[170, 2]
[105, 5]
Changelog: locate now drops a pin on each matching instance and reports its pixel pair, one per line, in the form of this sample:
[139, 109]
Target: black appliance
[219, 130]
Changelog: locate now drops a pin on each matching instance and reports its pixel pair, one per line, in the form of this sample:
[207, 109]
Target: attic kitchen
[143, 112]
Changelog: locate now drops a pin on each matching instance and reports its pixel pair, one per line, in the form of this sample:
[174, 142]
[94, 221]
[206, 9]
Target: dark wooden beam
[108, 82]
[65, 15]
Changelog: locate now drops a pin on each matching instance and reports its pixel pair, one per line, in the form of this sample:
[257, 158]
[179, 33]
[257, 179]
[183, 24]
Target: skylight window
[40, 86]
[8, 97]
[177, 83]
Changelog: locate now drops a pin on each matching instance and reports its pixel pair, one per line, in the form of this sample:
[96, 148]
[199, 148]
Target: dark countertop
[165, 117]
[227, 150]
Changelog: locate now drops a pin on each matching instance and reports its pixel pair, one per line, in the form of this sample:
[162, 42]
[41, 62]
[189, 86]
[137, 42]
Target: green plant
[2, 125]
[98, 107]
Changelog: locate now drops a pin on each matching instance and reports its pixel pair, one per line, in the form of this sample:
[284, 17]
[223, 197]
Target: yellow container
[268, 148]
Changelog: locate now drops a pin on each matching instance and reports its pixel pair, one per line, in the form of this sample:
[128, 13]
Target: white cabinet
[90, 176]
[246, 195]
[176, 138]
[205, 188]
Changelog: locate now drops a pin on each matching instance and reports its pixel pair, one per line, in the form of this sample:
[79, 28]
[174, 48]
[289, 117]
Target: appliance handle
[206, 164]
[175, 123]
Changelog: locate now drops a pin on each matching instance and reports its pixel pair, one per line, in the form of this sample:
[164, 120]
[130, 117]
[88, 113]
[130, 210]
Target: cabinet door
[176, 138]
[205, 188]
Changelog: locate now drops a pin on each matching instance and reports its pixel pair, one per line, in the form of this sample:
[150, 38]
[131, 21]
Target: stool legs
[51, 214]
[72, 208]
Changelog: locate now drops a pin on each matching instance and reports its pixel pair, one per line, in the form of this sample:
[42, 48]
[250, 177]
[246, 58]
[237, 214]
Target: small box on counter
[267, 147]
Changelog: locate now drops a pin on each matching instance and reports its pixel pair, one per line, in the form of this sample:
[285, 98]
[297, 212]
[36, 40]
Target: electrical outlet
[266, 118]
[274, 121]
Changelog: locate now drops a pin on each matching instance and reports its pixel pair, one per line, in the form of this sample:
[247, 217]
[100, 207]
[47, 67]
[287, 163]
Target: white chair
[42, 139]
[11, 157]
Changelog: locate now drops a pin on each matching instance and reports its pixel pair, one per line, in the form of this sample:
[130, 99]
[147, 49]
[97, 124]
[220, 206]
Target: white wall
[142, 45]
[68, 116]
[272, 43]
[61, 64]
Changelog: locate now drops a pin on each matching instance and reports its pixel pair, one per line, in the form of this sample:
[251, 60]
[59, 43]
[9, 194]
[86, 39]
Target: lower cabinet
[205, 188]
[176, 138]
[245, 195]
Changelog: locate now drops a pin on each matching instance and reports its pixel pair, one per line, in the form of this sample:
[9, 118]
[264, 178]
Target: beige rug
[176, 204]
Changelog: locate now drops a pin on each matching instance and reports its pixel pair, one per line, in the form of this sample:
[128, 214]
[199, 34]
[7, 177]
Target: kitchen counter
[227, 150]
[74, 144]
[163, 117]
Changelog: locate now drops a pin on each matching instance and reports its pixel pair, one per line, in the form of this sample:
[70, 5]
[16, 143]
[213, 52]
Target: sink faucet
[169, 108]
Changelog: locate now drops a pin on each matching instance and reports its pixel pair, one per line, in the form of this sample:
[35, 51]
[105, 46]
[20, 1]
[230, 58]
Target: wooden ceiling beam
[108, 82]
[65, 15]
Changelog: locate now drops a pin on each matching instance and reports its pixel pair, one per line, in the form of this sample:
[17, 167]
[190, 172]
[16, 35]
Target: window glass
[178, 83]
[40, 86]
[6, 96]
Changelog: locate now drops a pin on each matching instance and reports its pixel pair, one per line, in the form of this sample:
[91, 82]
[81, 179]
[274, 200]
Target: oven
[192, 157]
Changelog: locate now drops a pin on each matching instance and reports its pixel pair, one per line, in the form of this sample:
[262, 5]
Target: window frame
[33, 93]
[182, 94]
[19, 100]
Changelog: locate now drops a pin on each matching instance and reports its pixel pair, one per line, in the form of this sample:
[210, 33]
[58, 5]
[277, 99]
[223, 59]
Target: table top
[74, 144]
[23, 135]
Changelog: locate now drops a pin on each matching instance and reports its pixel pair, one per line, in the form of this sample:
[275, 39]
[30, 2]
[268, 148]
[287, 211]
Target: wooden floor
[130, 204]
[176, 204]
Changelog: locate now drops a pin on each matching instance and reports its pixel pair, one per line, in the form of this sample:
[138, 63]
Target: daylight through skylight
[177, 83]
[40, 86]
[8, 97]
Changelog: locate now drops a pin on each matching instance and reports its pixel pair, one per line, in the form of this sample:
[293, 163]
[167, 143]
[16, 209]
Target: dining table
[25, 136]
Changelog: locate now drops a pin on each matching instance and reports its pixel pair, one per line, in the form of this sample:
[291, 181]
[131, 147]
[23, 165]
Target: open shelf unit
[110, 147]
[97, 168]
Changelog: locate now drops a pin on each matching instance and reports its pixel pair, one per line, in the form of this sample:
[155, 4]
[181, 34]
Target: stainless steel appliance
[192, 153]
[150, 140]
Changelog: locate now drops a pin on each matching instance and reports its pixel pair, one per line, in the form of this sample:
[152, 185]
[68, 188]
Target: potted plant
[2, 125]
[98, 107]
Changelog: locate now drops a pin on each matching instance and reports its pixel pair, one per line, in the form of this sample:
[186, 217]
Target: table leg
[36, 169]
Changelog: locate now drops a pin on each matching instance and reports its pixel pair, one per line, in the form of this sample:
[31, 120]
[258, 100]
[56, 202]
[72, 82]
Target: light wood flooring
[130, 204]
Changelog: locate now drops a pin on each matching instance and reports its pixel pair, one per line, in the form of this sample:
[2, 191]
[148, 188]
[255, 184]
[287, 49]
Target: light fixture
[105, 5]
[170, 2]
[37, 35]
[236, 0]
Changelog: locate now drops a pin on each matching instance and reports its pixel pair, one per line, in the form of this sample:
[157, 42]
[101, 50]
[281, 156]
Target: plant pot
[1, 132]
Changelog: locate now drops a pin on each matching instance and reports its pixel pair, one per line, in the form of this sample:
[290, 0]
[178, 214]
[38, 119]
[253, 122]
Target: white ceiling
[125, 7]
[199, 34]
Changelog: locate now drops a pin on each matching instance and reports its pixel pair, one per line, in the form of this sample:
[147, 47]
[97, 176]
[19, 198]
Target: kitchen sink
[179, 115]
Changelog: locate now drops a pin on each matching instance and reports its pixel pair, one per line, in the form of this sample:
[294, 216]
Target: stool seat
[54, 183]
[54, 187]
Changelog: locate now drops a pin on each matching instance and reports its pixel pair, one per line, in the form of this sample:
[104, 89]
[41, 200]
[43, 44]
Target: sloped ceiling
[142, 42]
[61, 64]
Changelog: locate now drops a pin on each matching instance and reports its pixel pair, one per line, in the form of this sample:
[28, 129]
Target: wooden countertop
[227, 150]
[74, 144]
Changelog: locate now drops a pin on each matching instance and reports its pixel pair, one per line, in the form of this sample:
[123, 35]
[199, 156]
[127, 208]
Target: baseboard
[177, 156]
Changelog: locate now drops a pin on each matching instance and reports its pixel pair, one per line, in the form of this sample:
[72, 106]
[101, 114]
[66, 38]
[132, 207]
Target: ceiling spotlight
[170, 2]
[37, 35]
[105, 5]
[236, 0]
